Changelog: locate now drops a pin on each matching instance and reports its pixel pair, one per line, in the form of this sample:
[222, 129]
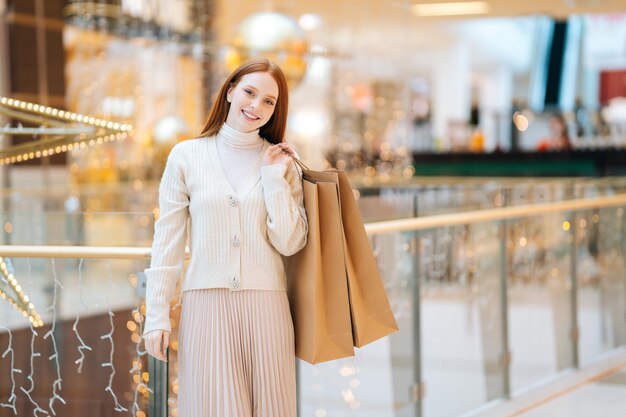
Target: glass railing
[489, 303]
[71, 316]
[53, 215]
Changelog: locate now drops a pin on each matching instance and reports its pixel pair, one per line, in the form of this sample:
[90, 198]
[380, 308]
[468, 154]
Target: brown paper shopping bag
[371, 315]
[317, 287]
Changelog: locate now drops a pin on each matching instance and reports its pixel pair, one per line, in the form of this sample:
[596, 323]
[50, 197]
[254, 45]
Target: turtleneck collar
[239, 140]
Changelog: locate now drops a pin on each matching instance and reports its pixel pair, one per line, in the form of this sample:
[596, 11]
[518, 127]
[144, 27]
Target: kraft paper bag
[370, 313]
[372, 317]
[317, 286]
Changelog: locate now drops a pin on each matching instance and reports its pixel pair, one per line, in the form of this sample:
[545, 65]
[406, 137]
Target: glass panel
[91, 312]
[25, 227]
[601, 281]
[375, 382]
[539, 298]
[86, 356]
[461, 318]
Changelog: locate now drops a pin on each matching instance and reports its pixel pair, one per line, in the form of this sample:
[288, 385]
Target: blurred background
[508, 117]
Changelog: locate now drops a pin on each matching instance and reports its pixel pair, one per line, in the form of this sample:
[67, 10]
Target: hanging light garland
[65, 137]
[23, 303]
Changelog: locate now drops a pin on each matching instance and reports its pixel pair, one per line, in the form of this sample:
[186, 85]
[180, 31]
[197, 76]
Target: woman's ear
[229, 94]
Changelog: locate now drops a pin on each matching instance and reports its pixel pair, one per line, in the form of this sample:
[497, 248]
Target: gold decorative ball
[274, 36]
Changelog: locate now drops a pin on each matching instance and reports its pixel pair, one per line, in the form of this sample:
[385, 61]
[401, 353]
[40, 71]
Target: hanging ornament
[272, 35]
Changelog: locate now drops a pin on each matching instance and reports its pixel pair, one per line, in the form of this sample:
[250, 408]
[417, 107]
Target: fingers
[156, 343]
[275, 151]
[286, 148]
[280, 152]
[166, 343]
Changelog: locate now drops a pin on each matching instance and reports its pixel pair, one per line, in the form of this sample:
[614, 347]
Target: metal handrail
[372, 228]
[496, 214]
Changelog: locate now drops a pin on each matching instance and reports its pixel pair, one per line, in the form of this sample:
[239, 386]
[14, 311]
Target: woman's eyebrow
[254, 88]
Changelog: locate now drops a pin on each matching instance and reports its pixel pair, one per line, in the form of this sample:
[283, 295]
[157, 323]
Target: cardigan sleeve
[286, 222]
[168, 246]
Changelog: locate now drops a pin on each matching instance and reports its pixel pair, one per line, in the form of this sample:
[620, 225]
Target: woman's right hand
[156, 342]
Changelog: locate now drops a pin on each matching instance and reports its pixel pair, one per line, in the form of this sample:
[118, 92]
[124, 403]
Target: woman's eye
[270, 102]
[249, 92]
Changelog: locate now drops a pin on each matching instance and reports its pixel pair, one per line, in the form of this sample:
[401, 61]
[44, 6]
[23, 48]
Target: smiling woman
[252, 101]
[254, 87]
[238, 187]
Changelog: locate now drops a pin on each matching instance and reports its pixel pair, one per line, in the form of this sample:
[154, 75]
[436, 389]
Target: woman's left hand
[278, 154]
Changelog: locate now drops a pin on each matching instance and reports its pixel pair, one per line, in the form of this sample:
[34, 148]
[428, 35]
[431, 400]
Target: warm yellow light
[521, 122]
[566, 225]
[450, 9]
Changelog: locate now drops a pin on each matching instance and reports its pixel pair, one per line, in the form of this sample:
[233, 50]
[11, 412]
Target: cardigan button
[233, 201]
[236, 242]
[234, 284]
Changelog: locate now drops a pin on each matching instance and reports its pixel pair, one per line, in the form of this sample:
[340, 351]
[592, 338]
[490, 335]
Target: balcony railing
[489, 302]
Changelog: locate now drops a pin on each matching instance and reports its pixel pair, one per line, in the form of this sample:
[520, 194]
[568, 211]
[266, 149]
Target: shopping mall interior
[485, 142]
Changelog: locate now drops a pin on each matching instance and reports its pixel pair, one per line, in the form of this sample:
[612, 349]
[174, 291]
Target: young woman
[559, 137]
[238, 194]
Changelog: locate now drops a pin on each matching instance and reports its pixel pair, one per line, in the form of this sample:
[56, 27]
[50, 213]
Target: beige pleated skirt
[236, 354]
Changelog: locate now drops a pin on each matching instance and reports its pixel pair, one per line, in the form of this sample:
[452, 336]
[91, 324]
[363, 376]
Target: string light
[118, 407]
[136, 329]
[22, 304]
[12, 398]
[82, 346]
[107, 131]
[37, 409]
[56, 385]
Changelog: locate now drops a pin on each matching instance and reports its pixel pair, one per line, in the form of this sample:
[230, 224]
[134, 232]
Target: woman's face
[252, 101]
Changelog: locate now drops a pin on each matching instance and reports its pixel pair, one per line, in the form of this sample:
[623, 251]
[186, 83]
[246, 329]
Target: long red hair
[272, 131]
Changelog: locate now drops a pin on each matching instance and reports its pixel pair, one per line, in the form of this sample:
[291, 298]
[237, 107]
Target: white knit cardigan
[236, 238]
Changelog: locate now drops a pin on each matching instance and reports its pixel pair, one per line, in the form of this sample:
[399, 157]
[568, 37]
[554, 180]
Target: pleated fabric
[236, 354]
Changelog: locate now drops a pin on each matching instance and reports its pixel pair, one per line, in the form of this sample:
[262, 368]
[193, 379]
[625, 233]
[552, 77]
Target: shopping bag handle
[300, 163]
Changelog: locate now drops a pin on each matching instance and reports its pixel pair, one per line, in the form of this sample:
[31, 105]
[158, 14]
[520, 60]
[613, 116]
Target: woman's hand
[156, 342]
[278, 154]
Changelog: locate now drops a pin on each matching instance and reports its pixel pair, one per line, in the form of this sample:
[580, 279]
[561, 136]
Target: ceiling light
[310, 21]
[450, 9]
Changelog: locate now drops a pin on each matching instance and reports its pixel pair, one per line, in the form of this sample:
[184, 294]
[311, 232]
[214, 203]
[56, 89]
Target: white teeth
[249, 115]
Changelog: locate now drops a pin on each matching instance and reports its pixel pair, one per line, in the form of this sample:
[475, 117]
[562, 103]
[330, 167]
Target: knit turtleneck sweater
[239, 216]
[239, 153]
